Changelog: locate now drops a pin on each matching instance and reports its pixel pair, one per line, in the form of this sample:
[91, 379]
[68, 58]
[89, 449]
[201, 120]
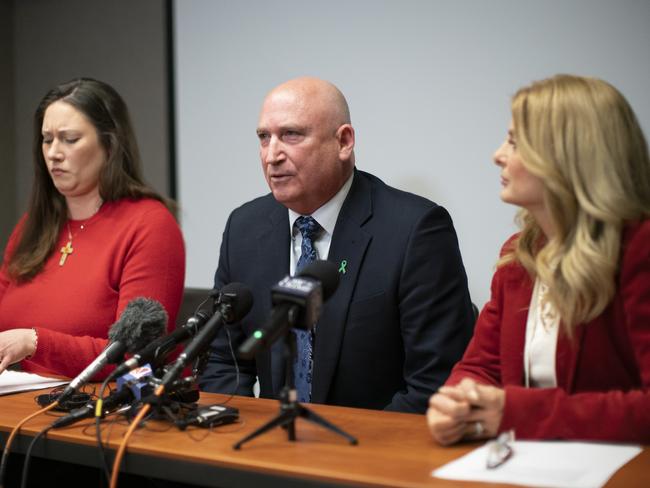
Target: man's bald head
[306, 142]
[317, 95]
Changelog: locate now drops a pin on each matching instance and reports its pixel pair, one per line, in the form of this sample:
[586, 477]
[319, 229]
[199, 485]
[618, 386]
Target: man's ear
[345, 138]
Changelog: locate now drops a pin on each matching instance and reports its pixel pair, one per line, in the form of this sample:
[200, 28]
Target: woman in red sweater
[95, 236]
[562, 349]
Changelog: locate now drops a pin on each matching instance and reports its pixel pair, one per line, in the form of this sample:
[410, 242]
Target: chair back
[192, 298]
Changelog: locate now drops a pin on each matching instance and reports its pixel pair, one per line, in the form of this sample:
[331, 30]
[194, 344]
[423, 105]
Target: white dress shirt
[326, 216]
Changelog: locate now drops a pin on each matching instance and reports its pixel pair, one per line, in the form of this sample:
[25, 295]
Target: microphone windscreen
[141, 321]
[326, 273]
[242, 300]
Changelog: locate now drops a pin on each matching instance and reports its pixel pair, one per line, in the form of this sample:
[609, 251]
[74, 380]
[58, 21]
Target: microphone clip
[225, 303]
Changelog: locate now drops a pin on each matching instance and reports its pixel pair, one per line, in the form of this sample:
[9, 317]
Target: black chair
[475, 310]
[192, 299]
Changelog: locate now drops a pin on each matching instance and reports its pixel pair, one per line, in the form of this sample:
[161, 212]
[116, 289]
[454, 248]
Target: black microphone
[160, 348]
[141, 321]
[297, 303]
[233, 303]
[130, 387]
[114, 400]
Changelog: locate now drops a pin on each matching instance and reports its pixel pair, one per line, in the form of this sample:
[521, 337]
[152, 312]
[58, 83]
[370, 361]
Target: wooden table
[394, 450]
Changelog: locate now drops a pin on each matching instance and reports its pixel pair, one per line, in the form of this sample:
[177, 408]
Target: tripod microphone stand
[290, 408]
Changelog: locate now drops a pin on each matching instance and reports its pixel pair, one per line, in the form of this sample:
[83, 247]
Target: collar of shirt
[326, 216]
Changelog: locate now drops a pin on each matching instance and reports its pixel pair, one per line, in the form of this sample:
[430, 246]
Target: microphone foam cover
[141, 321]
[325, 272]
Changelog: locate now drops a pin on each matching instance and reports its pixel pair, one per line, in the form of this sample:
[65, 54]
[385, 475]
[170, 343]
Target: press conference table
[394, 449]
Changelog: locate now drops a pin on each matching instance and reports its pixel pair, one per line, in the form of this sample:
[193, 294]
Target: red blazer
[603, 374]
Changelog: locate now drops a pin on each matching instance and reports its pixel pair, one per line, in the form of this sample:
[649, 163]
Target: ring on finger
[478, 428]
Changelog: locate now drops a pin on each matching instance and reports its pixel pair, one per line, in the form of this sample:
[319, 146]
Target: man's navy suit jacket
[399, 320]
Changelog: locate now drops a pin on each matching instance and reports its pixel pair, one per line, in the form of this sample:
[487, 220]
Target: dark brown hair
[120, 176]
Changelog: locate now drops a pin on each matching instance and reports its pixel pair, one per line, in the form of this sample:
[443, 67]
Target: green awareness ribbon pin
[344, 263]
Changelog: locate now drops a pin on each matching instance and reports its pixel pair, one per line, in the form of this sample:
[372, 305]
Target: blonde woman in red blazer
[562, 349]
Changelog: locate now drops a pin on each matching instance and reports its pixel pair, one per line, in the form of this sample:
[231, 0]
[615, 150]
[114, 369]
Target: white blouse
[542, 329]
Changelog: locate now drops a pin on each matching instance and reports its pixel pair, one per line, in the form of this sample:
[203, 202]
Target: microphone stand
[290, 408]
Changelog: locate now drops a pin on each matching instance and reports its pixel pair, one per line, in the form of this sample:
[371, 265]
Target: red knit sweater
[130, 248]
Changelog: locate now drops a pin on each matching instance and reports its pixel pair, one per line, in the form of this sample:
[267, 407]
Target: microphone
[297, 303]
[141, 321]
[157, 350]
[130, 387]
[113, 401]
[233, 303]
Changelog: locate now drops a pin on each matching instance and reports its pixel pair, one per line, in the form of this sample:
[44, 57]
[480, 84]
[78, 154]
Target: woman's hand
[447, 415]
[487, 408]
[16, 345]
[468, 410]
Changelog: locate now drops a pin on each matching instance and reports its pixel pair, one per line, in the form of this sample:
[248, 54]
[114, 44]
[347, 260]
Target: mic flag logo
[137, 380]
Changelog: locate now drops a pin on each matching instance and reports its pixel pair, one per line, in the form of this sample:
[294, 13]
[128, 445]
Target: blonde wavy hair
[582, 138]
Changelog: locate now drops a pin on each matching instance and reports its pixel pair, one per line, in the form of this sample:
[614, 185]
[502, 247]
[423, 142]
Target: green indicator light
[257, 334]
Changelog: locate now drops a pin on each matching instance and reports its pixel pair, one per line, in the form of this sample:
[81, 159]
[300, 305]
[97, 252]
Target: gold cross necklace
[67, 249]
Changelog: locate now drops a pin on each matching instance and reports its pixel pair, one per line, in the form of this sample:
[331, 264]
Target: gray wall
[428, 82]
[121, 42]
[7, 166]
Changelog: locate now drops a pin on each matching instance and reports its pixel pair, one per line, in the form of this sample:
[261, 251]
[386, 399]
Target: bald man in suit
[401, 316]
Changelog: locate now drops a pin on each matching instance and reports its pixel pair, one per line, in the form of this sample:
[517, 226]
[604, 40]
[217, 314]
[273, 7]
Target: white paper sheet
[16, 381]
[545, 464]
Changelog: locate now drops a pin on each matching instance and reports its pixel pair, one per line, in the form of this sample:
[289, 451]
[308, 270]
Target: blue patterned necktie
[303, 365]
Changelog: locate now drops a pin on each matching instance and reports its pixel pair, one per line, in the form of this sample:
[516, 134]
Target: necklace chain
[548, 314]
[68, 249]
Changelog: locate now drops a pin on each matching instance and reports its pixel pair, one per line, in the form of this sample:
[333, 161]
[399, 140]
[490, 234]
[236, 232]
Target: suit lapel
[566, 356]
[518, 290]
[273, 243]
[349, 244]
